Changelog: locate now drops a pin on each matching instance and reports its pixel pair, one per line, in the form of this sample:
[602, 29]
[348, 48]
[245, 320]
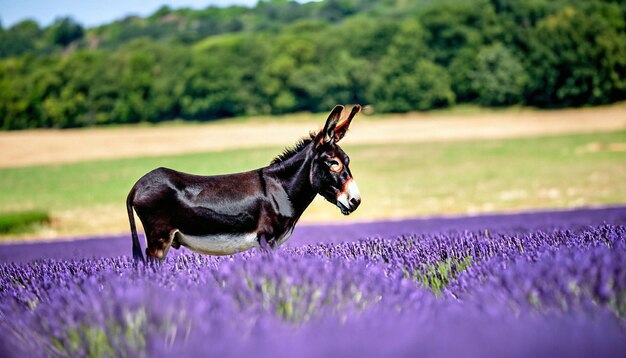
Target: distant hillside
[283, 56]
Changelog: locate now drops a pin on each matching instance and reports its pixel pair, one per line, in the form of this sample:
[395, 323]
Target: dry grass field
[37, 147]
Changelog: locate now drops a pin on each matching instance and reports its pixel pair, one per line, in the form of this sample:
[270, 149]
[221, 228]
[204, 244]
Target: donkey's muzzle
[349, 198]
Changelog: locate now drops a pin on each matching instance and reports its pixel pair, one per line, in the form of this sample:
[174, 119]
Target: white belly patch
[219, 244]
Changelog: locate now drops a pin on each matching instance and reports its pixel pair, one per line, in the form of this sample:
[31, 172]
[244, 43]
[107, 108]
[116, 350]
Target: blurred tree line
[282, 56]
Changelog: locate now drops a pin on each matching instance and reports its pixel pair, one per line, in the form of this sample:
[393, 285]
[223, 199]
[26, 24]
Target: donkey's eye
[334, 165]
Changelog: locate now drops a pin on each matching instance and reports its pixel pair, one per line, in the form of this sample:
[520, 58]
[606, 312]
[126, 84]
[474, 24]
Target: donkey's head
[330, 174]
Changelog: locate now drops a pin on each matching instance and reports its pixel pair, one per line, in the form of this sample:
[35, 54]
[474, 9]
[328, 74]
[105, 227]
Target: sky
[94, 12]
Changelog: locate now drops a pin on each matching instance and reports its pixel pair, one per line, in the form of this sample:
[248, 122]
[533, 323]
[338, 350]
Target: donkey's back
[180, 209]
[163, 186]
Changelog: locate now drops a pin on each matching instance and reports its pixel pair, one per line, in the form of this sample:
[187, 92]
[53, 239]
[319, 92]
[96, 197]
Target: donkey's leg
[170, 241]
[265, 230]
[159, 242]
[265, 245]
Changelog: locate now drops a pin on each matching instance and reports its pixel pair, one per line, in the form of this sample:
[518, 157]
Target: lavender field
[544, 284]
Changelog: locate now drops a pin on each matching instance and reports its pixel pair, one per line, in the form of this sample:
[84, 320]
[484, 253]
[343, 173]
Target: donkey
[227, 214]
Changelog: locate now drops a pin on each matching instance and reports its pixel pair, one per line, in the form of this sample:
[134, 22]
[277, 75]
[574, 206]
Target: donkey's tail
[137, 255]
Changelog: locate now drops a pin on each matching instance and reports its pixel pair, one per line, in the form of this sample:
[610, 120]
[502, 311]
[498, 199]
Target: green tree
[210, 90]
[19, 39]
[578, 56]
[136, 64]
[289, 54]
[519, 18]
[342, 79]
[14, 106]
[336, 10]
[283, 56]
[461, 70]
[499, 78]
[407, 79]
[65, 31]
[451, 26]
[222, 80]
[425, 87]
[362, 37]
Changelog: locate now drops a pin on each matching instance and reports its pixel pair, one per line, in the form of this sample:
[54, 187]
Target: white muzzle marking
[350, 191]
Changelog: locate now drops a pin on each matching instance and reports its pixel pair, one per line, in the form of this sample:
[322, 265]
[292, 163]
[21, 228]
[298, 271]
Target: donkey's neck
[293, 174]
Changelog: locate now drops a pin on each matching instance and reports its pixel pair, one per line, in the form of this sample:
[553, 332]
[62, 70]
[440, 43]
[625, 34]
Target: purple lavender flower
[488, 290]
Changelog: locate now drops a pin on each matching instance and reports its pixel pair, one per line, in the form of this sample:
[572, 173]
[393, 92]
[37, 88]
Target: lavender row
[464, 292]
[575, 219]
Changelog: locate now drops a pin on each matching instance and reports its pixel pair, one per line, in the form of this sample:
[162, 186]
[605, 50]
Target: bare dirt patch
[36, 147]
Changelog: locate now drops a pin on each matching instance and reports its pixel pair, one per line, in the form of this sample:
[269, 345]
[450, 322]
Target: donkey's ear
[328, 133]
[342, 127]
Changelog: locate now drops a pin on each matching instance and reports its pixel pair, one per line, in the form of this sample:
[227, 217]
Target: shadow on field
[111, 246]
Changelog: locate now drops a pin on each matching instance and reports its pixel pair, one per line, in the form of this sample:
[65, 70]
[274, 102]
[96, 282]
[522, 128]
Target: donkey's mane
[295, 149]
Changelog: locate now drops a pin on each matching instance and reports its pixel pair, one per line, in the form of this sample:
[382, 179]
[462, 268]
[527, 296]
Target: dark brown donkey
[226, 214]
